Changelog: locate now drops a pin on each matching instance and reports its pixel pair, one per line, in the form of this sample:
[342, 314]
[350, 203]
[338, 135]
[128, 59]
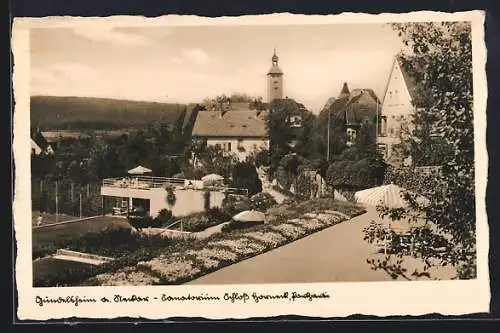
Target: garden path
[336, 254]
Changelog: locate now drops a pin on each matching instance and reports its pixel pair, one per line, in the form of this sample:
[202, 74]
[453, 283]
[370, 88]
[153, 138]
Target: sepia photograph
[251, 154]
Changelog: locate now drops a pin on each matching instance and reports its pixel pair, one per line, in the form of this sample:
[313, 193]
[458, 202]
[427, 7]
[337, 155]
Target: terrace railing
[142, 182]
[148, 182]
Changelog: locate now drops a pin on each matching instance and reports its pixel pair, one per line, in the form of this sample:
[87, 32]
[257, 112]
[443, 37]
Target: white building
[399, 104]
[150, 194]
[239, 132]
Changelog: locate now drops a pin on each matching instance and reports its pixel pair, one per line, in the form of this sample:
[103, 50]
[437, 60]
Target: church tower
[274, 80]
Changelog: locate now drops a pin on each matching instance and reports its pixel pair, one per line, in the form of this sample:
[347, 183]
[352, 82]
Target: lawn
[48, 239]
[49, 218]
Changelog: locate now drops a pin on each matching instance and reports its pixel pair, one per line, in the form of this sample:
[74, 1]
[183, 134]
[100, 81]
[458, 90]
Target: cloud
[60, 78]
[196, 55]
[110, 34]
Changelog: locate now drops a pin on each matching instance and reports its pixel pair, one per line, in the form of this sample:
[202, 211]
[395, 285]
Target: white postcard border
[371, 298]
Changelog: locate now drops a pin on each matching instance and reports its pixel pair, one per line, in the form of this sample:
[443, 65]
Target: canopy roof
[250, 216]
[387, 195]
[139, 170]
[212, 177]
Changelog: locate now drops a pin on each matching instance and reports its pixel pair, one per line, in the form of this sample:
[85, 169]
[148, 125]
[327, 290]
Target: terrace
[146, 194]
[151, 182]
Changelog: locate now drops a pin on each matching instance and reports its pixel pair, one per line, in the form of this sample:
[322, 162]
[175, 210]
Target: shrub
[164, 217]
[140, 222]
[233, 204]
[200, 221]
[170, 198]
[206, 200]
[262, 201]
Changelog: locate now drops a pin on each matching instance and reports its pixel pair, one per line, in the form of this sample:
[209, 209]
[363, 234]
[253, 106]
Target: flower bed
[204, 256]
[269, 238]
[171, 269]
[290, 231]
[130, 276]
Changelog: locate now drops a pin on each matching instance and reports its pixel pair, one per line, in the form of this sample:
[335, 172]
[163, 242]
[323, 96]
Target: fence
[66, 197]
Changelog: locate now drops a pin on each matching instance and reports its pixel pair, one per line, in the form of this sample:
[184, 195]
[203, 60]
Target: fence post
[57, 205]
[72, 192]
[80, 204]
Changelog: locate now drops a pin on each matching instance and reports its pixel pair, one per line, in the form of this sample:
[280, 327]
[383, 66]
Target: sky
[186, 64]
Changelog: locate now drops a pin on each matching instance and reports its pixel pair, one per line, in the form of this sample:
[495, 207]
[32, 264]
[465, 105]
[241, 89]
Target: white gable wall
[397, 108]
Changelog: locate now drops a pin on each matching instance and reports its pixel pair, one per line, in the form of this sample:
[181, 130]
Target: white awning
[250, 216]
[139, 170]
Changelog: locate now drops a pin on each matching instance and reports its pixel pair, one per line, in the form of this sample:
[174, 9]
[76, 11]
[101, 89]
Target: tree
[213, 159]
[283, 137]
[440, 59]
[245, 175]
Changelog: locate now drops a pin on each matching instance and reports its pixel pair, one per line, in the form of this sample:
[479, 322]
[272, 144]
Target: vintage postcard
[253, 166]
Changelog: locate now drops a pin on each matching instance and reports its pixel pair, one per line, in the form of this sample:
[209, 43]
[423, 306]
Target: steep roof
[352, 108]
[415, 89]
[242, 123]
[39, 139]
[345, 90]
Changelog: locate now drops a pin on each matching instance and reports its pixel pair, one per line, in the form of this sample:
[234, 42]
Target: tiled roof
[414, 88]
[241, 123]
[39, 139]
[353, 108]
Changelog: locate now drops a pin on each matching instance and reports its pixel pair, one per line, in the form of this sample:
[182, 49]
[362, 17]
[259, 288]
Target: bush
[200, 221]
[140, 222]
[164, 217]
[233, 204]
[206, 200]
[262, 201]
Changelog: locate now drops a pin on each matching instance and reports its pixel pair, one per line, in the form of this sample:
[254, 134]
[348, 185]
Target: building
[274, 80]
[238, 132]
[354, 107]
[39, 145]
[400, 102]
[148, 195]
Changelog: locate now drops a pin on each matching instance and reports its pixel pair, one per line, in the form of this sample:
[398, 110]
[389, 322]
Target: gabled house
[401, 100]
[238, 132]
[354, 107]
[39, 145]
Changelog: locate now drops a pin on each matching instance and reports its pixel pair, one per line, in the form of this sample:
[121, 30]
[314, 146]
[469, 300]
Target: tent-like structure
[139, 170]
[250, 216]
[387, 195]
[212, 177]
